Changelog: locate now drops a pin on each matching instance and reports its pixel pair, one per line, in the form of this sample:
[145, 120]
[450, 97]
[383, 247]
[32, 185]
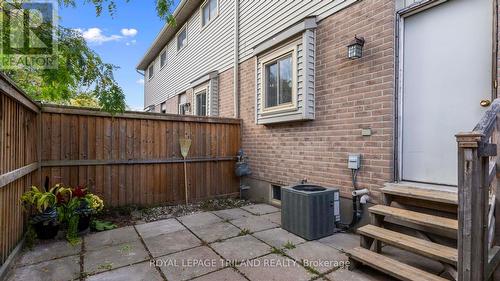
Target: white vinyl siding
[196, 59]
[260, 20]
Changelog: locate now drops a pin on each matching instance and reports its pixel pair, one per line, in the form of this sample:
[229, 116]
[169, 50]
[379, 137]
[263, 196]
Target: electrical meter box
[354, 162]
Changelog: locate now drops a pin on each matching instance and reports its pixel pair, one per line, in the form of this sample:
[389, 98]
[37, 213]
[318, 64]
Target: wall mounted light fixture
[355, 49]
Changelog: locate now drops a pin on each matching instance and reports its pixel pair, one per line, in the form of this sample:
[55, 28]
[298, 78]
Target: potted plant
[42, 205]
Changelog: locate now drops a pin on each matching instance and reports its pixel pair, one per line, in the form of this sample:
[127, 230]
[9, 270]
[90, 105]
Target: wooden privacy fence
[131, 158]
[135, 158]
[18, 161]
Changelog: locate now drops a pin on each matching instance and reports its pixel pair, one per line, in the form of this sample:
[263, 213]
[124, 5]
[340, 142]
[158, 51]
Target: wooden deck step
[419, 192]
[419, 246]
[390, 266]
[445, 224]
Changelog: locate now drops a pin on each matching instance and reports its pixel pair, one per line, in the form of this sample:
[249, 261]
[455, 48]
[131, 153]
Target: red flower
[79, 192]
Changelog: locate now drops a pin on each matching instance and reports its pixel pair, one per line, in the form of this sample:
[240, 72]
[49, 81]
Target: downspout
[236, 58]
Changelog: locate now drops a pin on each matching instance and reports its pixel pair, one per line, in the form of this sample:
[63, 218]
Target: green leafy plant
[67, 213]
[39, 200]
[99, 225]
[244, 232]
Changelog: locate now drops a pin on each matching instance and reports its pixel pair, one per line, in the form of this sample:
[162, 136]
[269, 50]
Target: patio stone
[62, 269]
[227, 274]
[254, 223]
[171, 242]
[362, 274]
[189, 264]
[341, 241]
[199, 219]
[110, 238]
[275, 268]
[115, 256]
[241, 248]
[260, 209]
[137, 272]
[159, 227]
[278, 237]
[49, 250]
[317, 256]
[231, 214]
[216, 231]
[274, 217]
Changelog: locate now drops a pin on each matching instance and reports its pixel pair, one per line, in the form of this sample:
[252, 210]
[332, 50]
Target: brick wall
[173, 105]
[350, 95]
[226, 98]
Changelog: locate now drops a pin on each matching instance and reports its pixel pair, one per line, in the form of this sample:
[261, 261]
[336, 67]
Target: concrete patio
[236, 244]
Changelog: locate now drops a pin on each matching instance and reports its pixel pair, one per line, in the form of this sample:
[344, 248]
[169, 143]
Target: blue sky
[121, 40]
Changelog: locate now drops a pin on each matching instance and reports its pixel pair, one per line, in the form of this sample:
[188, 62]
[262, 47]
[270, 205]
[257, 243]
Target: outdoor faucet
[303, 181]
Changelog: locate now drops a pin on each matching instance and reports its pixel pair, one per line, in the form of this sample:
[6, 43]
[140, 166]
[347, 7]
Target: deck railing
[478, 194]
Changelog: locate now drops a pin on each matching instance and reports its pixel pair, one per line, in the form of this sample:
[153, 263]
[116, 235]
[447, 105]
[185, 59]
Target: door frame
[398, 77]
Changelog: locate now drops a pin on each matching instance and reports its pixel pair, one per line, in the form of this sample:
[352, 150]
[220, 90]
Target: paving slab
[241, 248]
[364, 273]
[199, 219]
[159, 227]
[67, 268]
[278, 237]
[215, 232]
[114, 256]
[137, 272]
[231, 214]
[189, 264]
[260, 209]
[274, 217]
[319, 257]
[341, 241]
[48, 250]
[171, 242]
[110, 238]
[274, 268]
[254, 223]
[227, 274]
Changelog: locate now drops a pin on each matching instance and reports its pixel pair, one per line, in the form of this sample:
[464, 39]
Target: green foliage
[277, 251]
[289, 245]
[29, 242]
[39, 200]
[244, 232]
[68, 214]
[162, 7]
[99, 225]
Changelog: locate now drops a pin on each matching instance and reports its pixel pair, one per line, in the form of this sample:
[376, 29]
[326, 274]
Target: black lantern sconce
[355, 49]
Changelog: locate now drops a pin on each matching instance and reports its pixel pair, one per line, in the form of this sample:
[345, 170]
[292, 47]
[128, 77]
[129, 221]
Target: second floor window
[209, 11]
[182, 38]
[151, 71]
[163, 59]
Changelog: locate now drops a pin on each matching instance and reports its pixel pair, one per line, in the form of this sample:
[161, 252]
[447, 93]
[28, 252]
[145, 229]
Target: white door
[446, 60]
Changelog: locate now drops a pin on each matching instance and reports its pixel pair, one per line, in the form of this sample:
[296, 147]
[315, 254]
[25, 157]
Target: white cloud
[132, 42]
[129, 32]
[140, 81]
[95, 35]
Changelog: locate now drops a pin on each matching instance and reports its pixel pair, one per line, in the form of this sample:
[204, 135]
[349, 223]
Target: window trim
[166, 58]
[184, 27]
[205, 87]
[207, 2]
[149, 71]
[271, 58]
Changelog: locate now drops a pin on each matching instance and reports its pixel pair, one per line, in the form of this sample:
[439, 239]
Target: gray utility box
[310, 211]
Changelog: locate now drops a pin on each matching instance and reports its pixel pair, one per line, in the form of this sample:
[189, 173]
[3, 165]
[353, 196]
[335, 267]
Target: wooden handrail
[476, 173]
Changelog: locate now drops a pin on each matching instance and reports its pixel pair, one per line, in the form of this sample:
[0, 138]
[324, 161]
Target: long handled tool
[185, 145]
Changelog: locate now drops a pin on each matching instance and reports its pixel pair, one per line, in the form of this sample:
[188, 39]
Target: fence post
[472, 208]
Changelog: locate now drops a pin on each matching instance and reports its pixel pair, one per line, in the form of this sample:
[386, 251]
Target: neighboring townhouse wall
[226, 95]
[350, 95]
[208, 49]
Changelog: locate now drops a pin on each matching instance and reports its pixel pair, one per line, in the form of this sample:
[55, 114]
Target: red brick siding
[226, 98]
[173, 105]
[350, 95]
